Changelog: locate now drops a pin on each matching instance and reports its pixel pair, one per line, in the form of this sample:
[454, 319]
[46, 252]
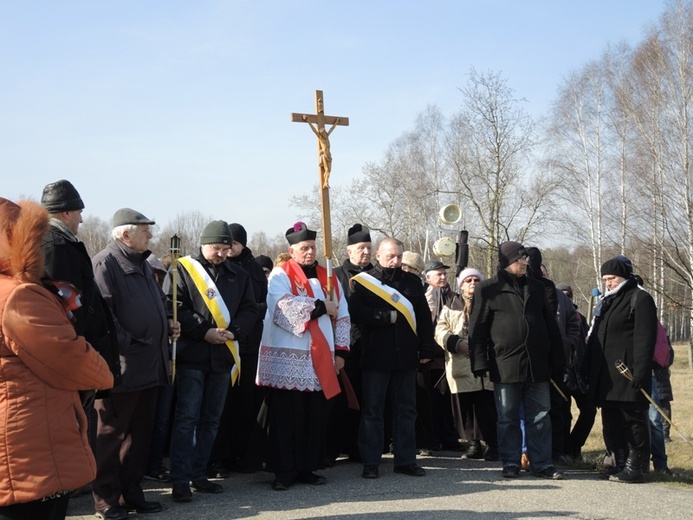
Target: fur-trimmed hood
[22, 231]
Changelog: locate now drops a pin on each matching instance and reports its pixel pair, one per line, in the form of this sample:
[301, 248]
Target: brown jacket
[43, 363]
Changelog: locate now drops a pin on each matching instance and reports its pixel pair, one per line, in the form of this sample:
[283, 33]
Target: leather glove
[480, 373]
[636, 383]
[451, 343]
[319, 310]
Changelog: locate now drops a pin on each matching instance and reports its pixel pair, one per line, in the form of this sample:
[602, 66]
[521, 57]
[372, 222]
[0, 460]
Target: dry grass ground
[679, 452]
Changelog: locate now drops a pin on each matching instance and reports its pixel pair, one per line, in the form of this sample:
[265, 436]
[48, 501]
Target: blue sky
[170, 106]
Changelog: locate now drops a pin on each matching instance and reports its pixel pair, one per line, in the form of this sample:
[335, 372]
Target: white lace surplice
[285, 359]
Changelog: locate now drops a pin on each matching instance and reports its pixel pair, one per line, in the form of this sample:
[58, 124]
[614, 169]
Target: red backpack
[663, 351]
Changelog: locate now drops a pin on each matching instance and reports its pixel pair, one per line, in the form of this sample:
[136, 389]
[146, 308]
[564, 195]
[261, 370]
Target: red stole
[323, 361]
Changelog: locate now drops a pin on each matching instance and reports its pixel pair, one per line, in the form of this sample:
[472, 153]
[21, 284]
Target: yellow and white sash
[216, 305]
[390, 295]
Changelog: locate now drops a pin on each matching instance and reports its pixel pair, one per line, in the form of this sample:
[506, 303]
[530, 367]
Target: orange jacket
[43, 363]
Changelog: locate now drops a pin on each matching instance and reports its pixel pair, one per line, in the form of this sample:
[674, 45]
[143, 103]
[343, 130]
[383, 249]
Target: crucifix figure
[317, 124]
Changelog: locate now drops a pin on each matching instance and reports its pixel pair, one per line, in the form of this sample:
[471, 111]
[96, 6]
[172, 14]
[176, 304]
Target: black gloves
[636, 383]
[451, 343]
[480, 373]
[319, 310]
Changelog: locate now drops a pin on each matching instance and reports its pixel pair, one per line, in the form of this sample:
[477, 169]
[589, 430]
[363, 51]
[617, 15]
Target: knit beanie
[565, 288]
[61, 196]
[617, 266]
[510, 252]
[239, 234]
[466, 273]
[216, 232]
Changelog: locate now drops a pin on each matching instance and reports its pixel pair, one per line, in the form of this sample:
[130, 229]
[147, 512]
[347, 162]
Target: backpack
[663, 351]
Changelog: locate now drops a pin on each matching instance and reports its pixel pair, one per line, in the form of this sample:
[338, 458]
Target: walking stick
[625, 372]
[558, 390]
[175, 253]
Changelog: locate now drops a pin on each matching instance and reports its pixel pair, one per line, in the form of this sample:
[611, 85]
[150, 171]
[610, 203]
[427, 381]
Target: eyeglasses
[220, 249]
[471, 280]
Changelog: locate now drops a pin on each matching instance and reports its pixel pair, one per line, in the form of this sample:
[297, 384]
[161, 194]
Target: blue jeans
[199, 403]
[657, 447]
[536, 401]
[402, 389]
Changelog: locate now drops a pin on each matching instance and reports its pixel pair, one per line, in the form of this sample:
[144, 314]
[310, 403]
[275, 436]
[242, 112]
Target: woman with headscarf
[43, 365]
[475, 395]
[623, 335]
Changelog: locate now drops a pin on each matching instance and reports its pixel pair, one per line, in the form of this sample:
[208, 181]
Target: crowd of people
[227, 362]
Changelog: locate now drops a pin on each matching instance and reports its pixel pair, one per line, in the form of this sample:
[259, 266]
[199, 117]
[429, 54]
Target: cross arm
[312, 118]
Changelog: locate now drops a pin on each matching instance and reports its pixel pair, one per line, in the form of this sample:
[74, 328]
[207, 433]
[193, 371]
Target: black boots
[632, 472]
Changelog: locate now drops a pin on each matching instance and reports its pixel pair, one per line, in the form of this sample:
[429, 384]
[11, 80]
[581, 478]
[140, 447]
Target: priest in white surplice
[305, 333]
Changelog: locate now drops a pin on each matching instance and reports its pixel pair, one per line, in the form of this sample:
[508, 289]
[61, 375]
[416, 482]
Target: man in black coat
[234, 448]
[344, 421]
[513, 335]
[217, 308]
[67, 260]
[126, 416]
[390, 308]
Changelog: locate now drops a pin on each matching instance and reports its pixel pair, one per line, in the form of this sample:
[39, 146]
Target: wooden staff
[175, 253]
[625, 372]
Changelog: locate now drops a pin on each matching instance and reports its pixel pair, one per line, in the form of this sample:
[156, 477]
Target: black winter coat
[512, 333]
[246, 261]
[388, 346]
[138, 307]
[195, 319]
[616, 335]
[344, 273]
[69, 261]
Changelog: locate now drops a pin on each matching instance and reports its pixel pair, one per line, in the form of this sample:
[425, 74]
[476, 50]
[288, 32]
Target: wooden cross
[317, 124]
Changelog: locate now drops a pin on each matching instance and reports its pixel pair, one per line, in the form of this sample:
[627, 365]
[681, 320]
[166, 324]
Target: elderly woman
[475, 395]
[624, 331]
[43, 364]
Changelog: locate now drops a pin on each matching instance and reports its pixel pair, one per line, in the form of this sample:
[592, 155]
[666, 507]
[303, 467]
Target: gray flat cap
[129, 216]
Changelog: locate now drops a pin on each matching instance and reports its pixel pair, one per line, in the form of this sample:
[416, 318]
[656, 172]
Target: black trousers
[479, 417]
[577, 437]
[235, 445]
[625, 429]
[126, 421]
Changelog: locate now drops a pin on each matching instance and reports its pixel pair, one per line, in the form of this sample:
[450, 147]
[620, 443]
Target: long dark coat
[246, 261]
[616, 335]
[388, 346]
[69, 261]
[512, 333]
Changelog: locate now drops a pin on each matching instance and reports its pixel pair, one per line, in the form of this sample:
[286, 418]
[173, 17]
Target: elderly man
[344, 417]
[217, 309]
[305, 327]
[514, 336]
[438, 295]
[389, 306]
[137, 303]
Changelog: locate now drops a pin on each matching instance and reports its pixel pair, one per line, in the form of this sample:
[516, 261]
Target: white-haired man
[137, 303]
